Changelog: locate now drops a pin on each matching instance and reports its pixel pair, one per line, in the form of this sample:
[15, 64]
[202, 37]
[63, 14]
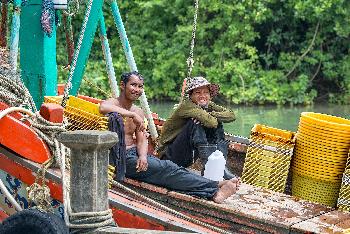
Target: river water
[282, 117]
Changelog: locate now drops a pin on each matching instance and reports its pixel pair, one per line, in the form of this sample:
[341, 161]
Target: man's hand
[141, 164]
[138, 121]
[196, 121]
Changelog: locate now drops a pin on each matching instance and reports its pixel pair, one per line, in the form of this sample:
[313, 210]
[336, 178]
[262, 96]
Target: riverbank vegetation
[260, 52]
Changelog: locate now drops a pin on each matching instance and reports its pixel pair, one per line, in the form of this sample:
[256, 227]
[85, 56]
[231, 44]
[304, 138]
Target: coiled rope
[14, 93]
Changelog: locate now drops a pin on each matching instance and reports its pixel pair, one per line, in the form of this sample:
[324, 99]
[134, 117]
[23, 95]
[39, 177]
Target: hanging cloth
[117, 154]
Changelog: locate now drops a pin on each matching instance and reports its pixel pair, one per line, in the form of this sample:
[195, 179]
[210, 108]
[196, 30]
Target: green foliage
[261, 52]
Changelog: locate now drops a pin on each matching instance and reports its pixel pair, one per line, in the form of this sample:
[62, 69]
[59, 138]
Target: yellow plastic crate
[322, 146]
[315, 190]
[268, 157]
[320, 156]
[343, 202]
[81, 114]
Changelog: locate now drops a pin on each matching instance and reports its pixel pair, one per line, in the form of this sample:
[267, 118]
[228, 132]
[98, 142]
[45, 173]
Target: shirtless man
[148, 168]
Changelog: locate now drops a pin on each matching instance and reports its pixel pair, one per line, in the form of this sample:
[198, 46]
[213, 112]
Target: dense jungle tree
[261, 52]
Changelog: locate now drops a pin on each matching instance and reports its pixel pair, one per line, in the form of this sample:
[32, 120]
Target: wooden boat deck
[250, 210]
[254, 210]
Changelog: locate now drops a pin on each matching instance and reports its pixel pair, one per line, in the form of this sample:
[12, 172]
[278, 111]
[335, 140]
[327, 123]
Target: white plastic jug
[215, 167]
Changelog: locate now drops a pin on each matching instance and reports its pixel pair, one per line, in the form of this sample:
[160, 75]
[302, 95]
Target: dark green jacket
[187, 110]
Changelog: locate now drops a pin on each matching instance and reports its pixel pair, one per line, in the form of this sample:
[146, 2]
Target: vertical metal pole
[15, 33]
[132, 64]
[38, 54]
[108, 57]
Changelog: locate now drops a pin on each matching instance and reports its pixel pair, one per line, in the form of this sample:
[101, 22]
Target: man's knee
[157, 164]
[198, 135]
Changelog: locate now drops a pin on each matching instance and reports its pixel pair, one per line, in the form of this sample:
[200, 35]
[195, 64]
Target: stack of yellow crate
[81, 114]
[321, 151]
[268, 157]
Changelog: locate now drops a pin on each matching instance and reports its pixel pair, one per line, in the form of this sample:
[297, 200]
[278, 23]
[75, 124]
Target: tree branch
[315, 74]
[243, 83]
[306, 52]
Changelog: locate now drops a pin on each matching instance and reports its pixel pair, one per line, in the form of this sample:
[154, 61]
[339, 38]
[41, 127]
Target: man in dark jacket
[147, 168]
[195, 127]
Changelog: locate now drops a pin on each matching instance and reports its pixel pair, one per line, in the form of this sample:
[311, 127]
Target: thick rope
[190, 59]
[38, 192]
[47, 18]
[75, 58]
[13, 92]
[171, 211]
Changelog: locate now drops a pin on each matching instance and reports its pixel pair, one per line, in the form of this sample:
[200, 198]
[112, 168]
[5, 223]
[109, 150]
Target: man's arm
[221, 113]
[142, 147]
[190, 110]
[112, 105]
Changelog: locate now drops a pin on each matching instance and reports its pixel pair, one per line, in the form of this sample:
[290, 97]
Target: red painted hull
[127, 212]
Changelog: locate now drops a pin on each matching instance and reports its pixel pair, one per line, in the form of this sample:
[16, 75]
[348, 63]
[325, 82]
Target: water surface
[283, 117]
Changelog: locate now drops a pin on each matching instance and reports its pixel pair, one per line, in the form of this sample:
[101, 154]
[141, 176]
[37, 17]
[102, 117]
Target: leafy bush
[261, 52]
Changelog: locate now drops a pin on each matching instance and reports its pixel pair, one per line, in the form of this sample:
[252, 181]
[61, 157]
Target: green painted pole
[38, 54]
[83, 47]
[132, 64]
[108, 57]
[15, 33]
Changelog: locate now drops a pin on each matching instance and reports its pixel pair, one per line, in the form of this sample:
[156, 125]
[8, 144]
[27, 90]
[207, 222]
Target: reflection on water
[275, 116]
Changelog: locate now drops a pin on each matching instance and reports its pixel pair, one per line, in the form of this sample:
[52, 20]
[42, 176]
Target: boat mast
[37, 54]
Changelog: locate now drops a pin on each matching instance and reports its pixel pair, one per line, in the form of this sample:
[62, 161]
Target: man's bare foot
[225, 191]
[237, 181]
[221, 183]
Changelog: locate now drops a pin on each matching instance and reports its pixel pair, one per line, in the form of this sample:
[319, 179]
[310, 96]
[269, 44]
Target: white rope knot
[91, 220]
[40, 195]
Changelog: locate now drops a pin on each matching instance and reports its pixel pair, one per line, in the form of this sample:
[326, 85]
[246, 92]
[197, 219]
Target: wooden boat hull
[18, 174]
[251, 210]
